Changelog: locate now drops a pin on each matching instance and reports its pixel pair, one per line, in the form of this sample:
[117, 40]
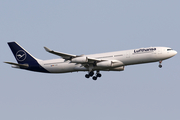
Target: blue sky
[86, 27]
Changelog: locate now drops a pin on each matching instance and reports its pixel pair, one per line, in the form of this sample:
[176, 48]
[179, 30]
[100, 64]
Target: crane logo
[21, 55]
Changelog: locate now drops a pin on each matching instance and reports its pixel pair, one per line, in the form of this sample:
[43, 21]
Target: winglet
[47, 49]
[63, 55]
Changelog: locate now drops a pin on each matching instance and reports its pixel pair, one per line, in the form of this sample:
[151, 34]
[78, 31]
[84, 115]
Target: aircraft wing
[70, 56]
[63, 55]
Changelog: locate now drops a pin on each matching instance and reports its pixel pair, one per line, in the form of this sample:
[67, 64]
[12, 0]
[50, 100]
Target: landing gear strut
[98, 74]
[160, 66]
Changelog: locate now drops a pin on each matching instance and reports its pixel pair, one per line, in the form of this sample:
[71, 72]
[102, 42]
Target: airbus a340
[111, 61]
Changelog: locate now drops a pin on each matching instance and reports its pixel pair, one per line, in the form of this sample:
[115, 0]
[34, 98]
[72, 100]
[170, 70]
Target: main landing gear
[93, 77]
[160, 66]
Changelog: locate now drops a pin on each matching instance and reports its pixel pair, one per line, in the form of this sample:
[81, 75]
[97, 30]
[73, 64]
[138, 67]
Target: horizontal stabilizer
[20, 65]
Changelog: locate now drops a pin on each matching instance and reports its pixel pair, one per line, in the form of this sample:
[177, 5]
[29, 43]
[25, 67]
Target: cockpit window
[169, 49]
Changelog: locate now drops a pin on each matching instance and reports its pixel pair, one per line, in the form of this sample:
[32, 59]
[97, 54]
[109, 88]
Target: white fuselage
[127, 57]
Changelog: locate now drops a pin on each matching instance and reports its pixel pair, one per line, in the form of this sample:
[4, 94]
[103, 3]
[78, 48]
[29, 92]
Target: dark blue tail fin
[25, 59]
[21, 55]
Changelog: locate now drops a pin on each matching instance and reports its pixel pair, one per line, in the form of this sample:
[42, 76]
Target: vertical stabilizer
[20, 54]
[24, 57]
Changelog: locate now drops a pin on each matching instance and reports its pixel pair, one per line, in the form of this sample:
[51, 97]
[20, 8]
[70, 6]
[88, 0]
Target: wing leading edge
[63, 55]
[70, 56]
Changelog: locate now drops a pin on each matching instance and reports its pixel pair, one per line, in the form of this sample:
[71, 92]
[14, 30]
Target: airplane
[111, 61]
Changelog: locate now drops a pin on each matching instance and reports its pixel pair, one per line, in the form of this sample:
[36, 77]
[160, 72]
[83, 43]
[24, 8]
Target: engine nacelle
[113, 63]
[104, 64]
[117, 69]
[83, 59]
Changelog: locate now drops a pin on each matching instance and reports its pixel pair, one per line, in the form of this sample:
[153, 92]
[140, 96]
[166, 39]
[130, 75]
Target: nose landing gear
[160, 66]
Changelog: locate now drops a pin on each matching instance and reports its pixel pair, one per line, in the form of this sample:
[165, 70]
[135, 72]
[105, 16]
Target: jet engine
[83, 59]
[117, 69]
[113, 63]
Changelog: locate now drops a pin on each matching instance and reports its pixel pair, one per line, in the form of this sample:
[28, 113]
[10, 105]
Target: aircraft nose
[175, 52]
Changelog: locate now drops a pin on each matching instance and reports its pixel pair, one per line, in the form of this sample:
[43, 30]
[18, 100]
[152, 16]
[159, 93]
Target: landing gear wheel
[94, 78]
[87, 76]
[160, 66]
[98, 75]
[91, 73]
